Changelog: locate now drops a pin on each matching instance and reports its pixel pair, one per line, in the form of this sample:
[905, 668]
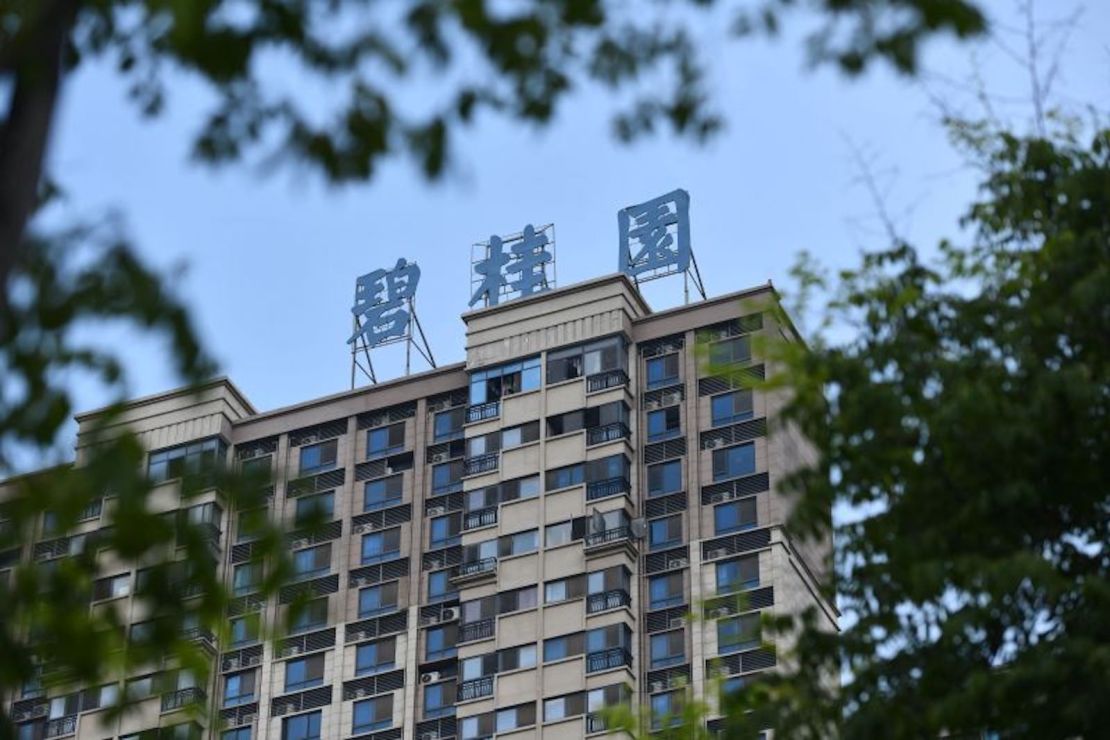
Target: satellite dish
[597, 522]
[638, 527]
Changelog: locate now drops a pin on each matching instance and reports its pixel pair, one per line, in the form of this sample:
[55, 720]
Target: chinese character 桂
[655, 234]
[525, 264]
[379, 301]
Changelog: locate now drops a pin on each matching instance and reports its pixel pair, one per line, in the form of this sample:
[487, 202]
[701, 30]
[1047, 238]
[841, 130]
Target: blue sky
[272, 260]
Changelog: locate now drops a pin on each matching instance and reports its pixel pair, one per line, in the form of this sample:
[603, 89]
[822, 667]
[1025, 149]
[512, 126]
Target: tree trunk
[36, 72]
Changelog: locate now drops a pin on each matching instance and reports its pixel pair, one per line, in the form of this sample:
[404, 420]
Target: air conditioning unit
[449, 614]
[430, 735]
[720, 611]
[658, 685]
[440, 457]
[362, 581]
[231, 664]
[677, 622]
[720, 552]
[431, 677]
[435, 563]
[291, 650]
[676, 563]
[291, 707]
[714, 442]
[308, 439]
[437, 510]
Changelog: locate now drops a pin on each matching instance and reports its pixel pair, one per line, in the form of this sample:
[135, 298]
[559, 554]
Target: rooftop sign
[497, 274]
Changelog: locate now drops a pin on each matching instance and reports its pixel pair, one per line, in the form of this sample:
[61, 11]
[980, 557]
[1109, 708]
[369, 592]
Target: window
[449, 424]
[557, 534]
[515, 658]
[381, 493]
[439, 585]
[556, 708]
[520, 542]
[311, 615]
[668, 649]
[494, 383]
[312, 561]
[319, 457]
[245, 578]
[385, 440]
[571, 475]
[317, 508]
[665, 532]
[665, 478]
[244, 629]
[663, 424]
[250, 524]
[590, 359]
[190, 459]
[607, 638]
[379, 546]
[731, 685]
[447, 477]
[239, 733]
[112, 587]
[729, 408]
[662, 371]
[444, 530]
[557, 648]
[737, 349]
[515, 717]
[304, 673]
[439, 699]
[666, 709]
[738, 633]
[734, 516]
[301, 727]
[738, 574]
[375, 657]
[733, 462]
[520, 435]
[372, 714]
[483, 445]
[665, 590]
[239, 689]
[440, 642]
[377, 599]
[260, 468]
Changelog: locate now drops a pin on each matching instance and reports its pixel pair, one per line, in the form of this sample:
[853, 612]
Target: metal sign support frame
[366, 364]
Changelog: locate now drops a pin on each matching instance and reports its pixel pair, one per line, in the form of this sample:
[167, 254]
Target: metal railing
[182, 697]
[480, 518]
[61, 726]
[608, 487]
[476, 567]
[481, 463]
[608, 536]
[198, 633]
[607, 433]
[607, 379]
[479, 630]
[483, 411]
[92, 511]
[595, 723]
[605, 660]
[614, 599]
[476, 688]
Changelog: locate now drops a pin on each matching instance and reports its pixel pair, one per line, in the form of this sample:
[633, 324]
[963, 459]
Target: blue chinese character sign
[655, 239]
[513, 267]
[384, 312]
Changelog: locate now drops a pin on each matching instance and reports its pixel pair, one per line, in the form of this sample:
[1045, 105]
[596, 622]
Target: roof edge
[219, 381]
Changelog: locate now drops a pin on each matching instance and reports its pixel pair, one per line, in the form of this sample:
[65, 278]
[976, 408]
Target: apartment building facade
[513, 542]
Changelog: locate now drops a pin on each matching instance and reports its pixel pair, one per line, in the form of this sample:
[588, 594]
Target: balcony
[607, 433]
[92, 511]
[483, 411]
[476, 688]
[609, 539]
[605, 488]
[602, 602]
[475, 570]
[61, 726]
[606, 660]
[200, 634]
[604, 381]
[595, 723]
[480, 630]
[480, 518]
[182, 698]
[481, 463]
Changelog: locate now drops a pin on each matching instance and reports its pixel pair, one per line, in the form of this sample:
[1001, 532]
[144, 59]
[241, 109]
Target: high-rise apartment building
[514, 541]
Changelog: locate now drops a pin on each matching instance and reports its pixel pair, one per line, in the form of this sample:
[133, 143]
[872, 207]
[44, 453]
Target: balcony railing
[479, 630]
[198, 633]
[475, 570]
[483, 411]
[608, 487]
[605, 660]
[607, 433]
[92, 511]
[607, 379]
[481, 463]
[611, 536]
[614, 599]
[476, 688]
[480, 518]
[182, 697]
[61, 726]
